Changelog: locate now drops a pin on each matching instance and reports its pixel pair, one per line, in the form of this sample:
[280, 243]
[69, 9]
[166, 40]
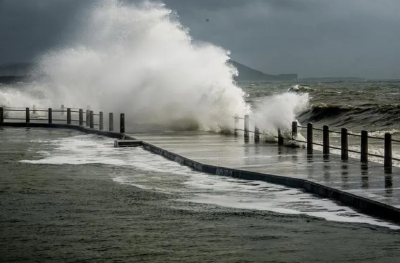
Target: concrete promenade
[352, 177]
[364, 187]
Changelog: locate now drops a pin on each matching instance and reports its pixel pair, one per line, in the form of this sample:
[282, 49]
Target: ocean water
[72, 197]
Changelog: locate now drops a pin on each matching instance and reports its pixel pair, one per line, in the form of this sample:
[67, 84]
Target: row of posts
[344, 144]
[89, 118]
[325, 141]
[256, 130]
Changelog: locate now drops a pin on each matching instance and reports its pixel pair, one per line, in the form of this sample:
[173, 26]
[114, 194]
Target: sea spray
[279, 111]
[138, 59]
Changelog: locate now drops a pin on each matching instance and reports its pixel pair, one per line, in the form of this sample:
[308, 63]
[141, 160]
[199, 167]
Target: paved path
[368, 181]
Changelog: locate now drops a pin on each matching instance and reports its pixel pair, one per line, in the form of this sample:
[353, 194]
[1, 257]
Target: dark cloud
[309, 37]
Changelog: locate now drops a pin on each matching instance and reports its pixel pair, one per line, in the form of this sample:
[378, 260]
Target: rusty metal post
[91, 120]
[325, 140]
[27, 115]
[246, 127]
[344, 145]
[50, 115]
[111, 122]
[280, 137]
[294, 130]
[68, 115]
[256, 134]
[388, 153]
[235, 125]
[80, 117]
[1, 115]
[364, 147]
[122, 123]
[309, 138]
[100, 120]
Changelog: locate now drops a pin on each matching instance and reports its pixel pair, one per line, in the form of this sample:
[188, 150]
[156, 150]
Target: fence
[326, 146]
[62, 115]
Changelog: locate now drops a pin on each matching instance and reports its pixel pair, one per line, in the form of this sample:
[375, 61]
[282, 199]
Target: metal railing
[326, 146]
[63, 115]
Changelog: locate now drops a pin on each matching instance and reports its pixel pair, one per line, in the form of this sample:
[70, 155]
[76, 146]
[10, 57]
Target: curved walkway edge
[362, 204]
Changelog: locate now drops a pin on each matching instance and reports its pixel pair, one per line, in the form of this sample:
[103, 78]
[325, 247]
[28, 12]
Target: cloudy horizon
[314, 38]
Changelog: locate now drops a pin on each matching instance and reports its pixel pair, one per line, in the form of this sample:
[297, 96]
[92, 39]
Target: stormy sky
[319, 38]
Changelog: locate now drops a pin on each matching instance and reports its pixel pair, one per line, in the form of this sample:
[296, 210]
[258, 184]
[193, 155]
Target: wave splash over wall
[138, 59]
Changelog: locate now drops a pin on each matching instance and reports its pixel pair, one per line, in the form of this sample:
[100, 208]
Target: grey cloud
[309, 37]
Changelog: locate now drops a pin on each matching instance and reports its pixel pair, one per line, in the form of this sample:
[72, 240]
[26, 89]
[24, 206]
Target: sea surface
[369, 105]
[69, 197]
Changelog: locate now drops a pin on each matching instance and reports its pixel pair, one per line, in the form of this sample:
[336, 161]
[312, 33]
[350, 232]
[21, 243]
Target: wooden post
[388, 153]
[80, 117]
[62, 109]
[111, 122]
[91, 120]
[309, 138]
[27, 116]
[280, 137]
[364, 147]
[50, 113]
[1, 115]
[87, 118]
[235, 124]
[256, 134]
[122, 123]
[246, 126]
[68, 115]
[344, 145]
[100, 120]
[325, 140]
[294, 130]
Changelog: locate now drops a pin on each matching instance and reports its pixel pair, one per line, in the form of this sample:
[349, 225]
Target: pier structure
[358, 183]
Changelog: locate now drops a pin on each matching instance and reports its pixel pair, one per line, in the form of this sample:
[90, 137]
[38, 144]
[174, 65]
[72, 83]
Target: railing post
[388, 153]
[309, 138]
[50, 113]
[280, 137]
[246, 126]
[256, 134]
[27, 116]
[87, 118]
[80, 117]
[235, 125]
[62, 109]
[364, 147]
[68, 115]
[344, 145]
[111, 122]
[294, 130]
[325, 140]
[100, 120]
[91, 119]
[1, 115]
[34, 109]
[122, 123]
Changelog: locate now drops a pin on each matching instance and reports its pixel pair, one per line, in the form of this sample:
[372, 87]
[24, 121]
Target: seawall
[362, 204]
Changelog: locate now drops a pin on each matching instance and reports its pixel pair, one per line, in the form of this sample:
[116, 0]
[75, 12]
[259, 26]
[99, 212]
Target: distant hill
[17, 71]
[248, 74]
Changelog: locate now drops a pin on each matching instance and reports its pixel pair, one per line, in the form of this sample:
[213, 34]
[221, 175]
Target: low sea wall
[362, 204]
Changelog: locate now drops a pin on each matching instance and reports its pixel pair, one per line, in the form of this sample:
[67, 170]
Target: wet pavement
[366, 180]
